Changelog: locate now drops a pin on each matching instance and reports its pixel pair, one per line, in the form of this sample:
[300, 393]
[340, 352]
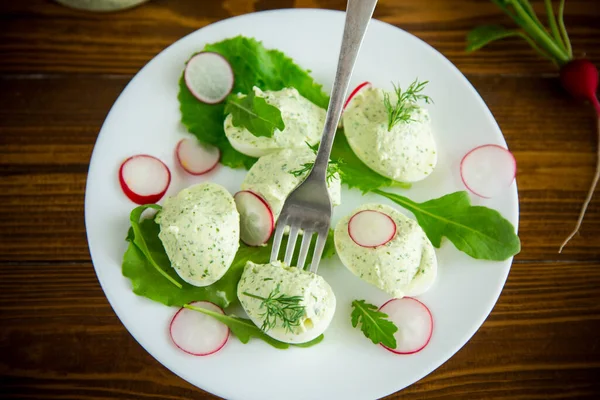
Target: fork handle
[358, 15]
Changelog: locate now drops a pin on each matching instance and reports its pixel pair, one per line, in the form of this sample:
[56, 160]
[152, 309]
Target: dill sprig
[280, 307]
[406, 102]
[333, 167]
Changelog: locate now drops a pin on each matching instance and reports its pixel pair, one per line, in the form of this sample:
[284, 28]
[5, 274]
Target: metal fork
[308, 207]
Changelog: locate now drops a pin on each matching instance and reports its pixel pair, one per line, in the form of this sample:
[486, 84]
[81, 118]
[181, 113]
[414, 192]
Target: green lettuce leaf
[149, 282]
[354, 172]
[205, 121]
[255, 114]
[136, 237]
[480, 232]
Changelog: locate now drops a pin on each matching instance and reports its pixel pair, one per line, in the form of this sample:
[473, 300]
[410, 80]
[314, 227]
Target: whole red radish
[580, 79]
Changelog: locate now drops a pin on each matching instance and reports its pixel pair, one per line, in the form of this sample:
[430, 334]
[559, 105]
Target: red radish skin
[195, 158]
[580, 79]
[178, 337]
[226, 80]
[399, 324]
[129, 186]
[358, 223]
[249, 198]
[355, 92]
[486, 194]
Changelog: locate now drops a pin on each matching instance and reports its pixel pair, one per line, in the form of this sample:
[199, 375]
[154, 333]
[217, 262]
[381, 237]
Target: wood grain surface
[62, 69]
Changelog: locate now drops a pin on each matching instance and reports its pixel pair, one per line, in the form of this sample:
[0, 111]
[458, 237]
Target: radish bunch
[579, 77]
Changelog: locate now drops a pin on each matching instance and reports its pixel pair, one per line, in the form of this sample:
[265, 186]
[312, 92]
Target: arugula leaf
[253, 65]
[311, 343]
[354, 172]
[138, 239]
[255, 114]
[480, 232]
[483, 35]
[149, 282]
[244, 329]
[373, 323]
[148, 277]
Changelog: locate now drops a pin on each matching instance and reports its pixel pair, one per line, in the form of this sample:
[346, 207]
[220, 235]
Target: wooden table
[60, 72]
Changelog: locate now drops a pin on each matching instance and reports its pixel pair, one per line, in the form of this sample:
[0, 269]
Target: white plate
[145, 119]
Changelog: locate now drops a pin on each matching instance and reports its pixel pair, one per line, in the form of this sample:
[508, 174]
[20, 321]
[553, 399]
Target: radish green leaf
[482, 35]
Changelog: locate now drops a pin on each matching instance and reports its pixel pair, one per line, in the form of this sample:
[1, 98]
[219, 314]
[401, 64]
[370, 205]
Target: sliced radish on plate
[414, 322]
[196, 333]
[197, 158]
[144, 179]
[256, 218]
[355, 92]
[488, 170]
[369, 228]
[209, 77]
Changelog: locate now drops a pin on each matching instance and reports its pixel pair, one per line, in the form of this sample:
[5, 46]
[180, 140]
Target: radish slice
[196, 333]
[197, 158]
[370, 228]
[256, 218]
[487, 170]
[144, 179]
[355, 92]
[209, 77]
[414, 322]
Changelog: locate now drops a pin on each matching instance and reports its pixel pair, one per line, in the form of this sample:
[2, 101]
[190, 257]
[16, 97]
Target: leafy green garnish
[139, 241]
[279, 306]
[354, 172]
[406, 102]
[311, 343]
[205, 121]
[255, 114]
[333, 167]
[373, 323]
[149, 282]
[253, 65]
[244, 329]
[480, 232]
